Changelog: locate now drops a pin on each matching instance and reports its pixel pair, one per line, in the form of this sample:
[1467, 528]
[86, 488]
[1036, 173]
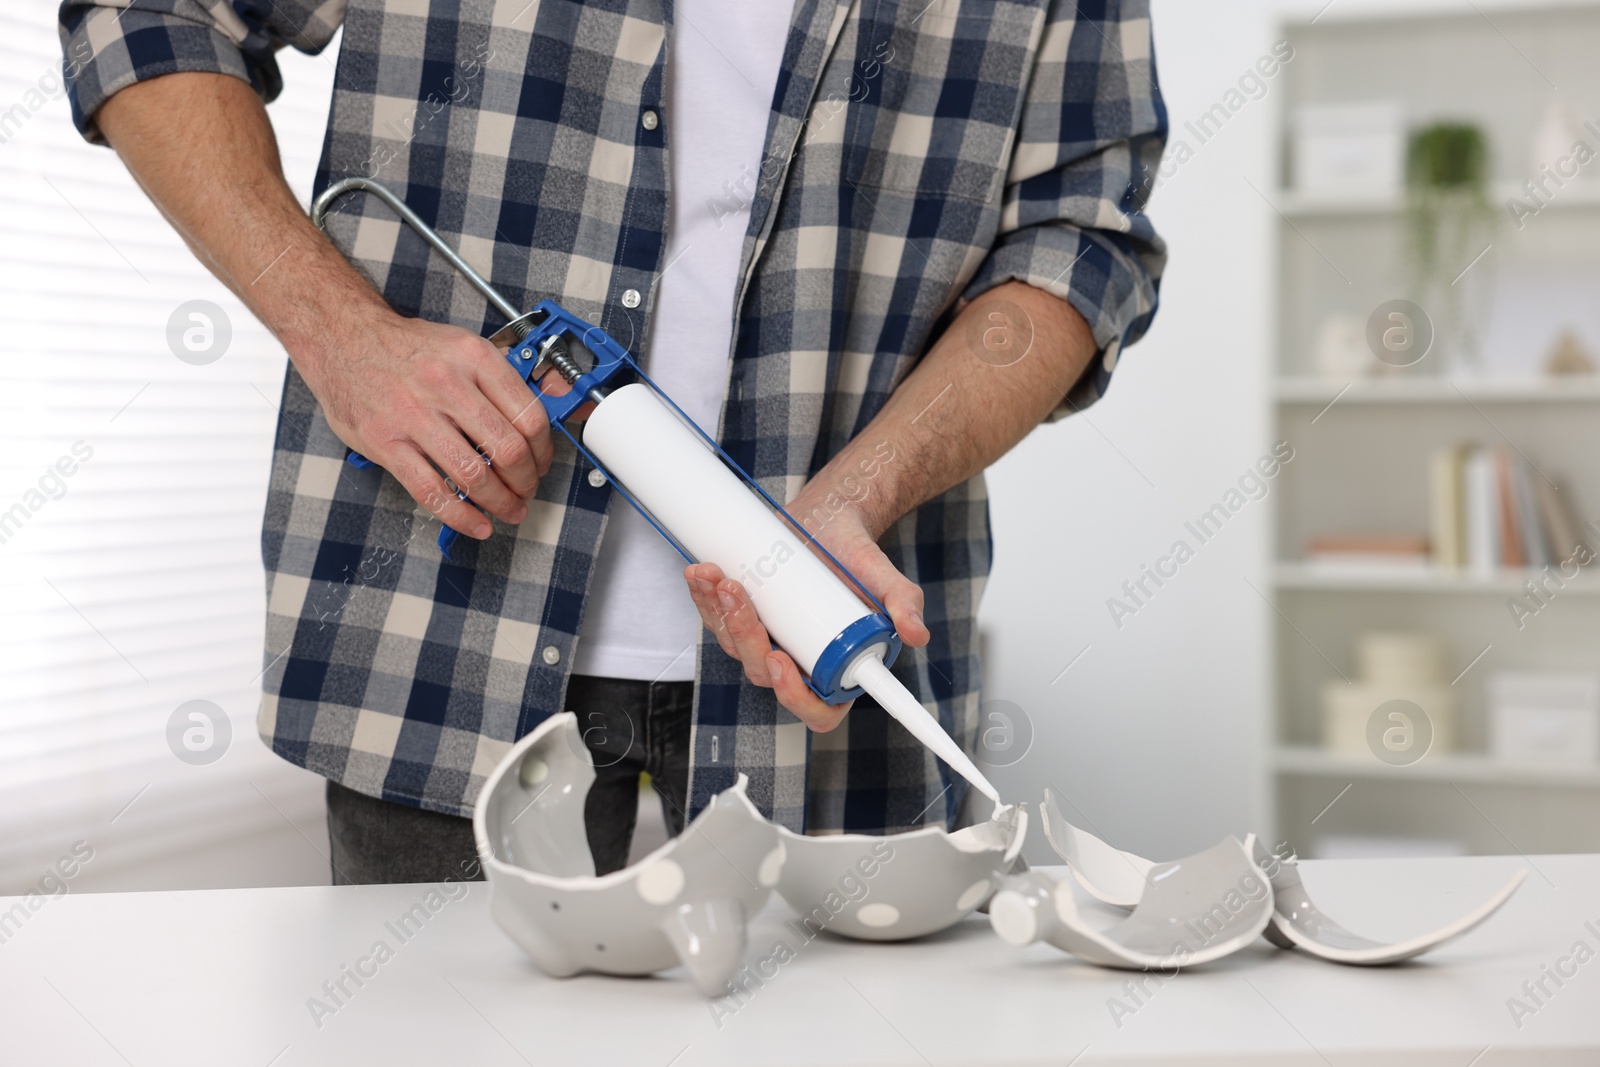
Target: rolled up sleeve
[1090, 139]
[109, 45]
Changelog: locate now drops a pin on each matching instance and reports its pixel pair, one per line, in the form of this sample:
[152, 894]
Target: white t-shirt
[722, 68]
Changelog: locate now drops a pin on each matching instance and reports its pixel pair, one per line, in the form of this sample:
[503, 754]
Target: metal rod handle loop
[319, 211]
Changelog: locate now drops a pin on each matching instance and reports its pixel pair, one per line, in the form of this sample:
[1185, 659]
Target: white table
[222, 978]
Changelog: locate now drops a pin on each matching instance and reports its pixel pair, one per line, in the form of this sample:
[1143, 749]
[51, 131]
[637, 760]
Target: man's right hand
[412, 395]
[408, 394]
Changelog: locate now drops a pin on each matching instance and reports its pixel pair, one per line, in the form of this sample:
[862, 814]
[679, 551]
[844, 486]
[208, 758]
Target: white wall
[1156, 736]
[138, 586]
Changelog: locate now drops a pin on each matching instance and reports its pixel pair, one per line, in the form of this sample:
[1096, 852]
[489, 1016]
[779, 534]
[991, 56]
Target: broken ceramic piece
[1107, 874]
[1120, 878]
[686, 903]
[1192, 911]
[902, 885]
[1298, 923]
[1019, 865]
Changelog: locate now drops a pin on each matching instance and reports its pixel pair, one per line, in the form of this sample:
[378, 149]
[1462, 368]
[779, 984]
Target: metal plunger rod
[319, 210]
[554, 349]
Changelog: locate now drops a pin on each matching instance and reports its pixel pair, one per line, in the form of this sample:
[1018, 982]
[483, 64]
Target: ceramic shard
[1298, 923]
[899, 886]
[1107, 874]
[1192, 911]
[686, 903]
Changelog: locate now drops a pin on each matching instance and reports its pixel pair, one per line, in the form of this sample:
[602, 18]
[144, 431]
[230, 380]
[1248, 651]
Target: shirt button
[551, 654]
[630, 298]
[649, 120]
[597, 478]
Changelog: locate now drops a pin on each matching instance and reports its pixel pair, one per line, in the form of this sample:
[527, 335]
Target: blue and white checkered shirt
[918, 154]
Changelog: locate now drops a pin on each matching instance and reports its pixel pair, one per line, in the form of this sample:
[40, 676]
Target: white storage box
[1349, 149]
[1400, 657]
[1347, 709]
[1552, 719]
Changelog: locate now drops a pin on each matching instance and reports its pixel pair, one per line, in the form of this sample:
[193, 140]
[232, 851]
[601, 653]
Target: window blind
[131, 489]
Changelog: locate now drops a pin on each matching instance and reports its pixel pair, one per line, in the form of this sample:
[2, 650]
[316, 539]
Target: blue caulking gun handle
[534, 354]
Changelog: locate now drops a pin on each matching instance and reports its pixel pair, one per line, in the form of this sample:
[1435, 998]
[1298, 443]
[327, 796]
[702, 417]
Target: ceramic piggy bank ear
[686, 903]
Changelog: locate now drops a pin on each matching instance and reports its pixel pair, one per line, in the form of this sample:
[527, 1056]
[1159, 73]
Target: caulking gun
[696, 497]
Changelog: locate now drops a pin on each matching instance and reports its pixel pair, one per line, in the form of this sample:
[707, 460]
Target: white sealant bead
[551, 655]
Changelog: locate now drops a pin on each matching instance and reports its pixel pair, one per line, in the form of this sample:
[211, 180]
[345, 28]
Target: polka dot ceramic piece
[1193, 911]
[900, 886]
[686, 903]
[976, 894]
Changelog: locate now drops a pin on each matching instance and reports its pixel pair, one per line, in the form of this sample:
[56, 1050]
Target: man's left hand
[726, 609]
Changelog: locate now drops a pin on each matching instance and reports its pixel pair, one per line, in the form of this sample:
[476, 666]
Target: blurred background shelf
[1523, 285]
[1311, 761]
[1580, 193]
[1313, 577]
[1439, 391]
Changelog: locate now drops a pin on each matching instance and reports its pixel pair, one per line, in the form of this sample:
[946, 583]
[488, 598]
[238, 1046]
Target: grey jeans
[628, 726]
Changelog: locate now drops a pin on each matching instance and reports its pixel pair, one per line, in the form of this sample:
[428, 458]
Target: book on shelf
[1448, 521]
[1363, 551]
[1558, 521]
[1491, 508]
[1535, 539]
[1505, 507]
[1481, 522]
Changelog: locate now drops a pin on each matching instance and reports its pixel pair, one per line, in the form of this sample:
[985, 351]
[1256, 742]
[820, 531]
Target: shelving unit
[1362, 447]
[1380, 579]
[1438, 391]
[1444, 767]
[1582, 193]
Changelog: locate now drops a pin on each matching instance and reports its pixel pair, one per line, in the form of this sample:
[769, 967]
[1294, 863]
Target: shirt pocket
[935, 92]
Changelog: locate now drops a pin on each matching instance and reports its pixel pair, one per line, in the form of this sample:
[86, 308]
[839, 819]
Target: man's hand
[726, 609]
[411, 391]
[1001, 366]
[408, 394]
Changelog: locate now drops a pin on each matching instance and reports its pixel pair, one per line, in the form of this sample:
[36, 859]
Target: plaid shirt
[917, 154]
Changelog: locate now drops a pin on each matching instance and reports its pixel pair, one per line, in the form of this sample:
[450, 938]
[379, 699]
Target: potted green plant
[1450, 223]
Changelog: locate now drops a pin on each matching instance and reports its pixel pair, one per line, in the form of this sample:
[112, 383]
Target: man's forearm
[1000, 368]
[416, 397]
[1003, 364]
[202, 149]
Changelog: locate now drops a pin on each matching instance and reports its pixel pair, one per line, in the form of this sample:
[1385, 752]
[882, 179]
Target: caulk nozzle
[870, 674]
